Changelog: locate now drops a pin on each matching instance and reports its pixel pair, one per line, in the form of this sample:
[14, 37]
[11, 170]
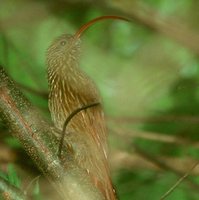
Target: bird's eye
[63, 42]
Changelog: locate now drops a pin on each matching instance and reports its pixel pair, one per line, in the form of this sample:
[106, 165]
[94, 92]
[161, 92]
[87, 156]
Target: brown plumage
[70, 88]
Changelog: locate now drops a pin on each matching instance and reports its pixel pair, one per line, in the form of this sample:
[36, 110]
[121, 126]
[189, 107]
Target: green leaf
[12, 176]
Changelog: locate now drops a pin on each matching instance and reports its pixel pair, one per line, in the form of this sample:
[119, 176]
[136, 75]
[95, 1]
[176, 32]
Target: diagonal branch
[40, 142]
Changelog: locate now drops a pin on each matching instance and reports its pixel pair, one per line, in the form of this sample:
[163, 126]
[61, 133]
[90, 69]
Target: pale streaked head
[65, 48]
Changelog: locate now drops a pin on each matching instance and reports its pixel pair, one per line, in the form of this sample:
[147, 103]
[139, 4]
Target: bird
[71, 88]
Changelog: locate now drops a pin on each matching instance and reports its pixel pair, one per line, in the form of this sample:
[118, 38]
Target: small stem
[68, 120]
[179, 181]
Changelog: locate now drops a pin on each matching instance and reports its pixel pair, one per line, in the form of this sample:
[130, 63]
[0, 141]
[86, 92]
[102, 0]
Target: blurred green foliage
[139, 72]
[11, 176]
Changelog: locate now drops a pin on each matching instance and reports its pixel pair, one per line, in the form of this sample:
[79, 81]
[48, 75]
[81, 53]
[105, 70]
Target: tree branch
[41, 144]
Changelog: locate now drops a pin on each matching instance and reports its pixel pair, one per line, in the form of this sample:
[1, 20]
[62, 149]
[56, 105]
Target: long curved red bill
[88, 24]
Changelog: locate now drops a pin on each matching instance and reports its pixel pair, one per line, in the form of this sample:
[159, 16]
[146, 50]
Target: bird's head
[63, 49]
[66, 49]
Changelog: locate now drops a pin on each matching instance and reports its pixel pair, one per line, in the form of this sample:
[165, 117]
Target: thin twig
[121, 159]
[42, 94]
[68, 120]
[160, 163]
[178, 182]
[31, 183]
[157, 119]
[153, 136]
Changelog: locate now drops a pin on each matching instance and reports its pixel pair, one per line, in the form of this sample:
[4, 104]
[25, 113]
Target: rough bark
[39, 141]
